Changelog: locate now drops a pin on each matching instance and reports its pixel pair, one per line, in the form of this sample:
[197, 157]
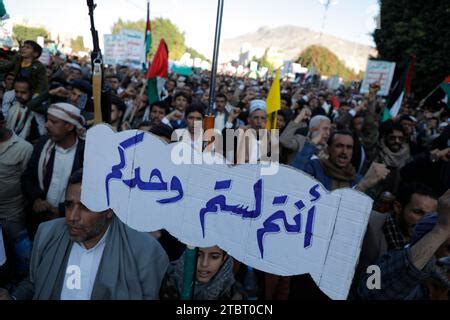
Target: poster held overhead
[285, 224]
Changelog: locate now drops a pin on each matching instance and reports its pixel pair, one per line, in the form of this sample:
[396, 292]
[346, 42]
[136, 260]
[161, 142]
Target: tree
[195, 54]
[326, 63]
[161, 28]
[77, 44]
[416, 27]
[264, 62]
[22, 33]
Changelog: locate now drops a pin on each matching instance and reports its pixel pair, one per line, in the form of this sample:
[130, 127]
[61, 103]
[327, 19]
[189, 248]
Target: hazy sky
[349, 19]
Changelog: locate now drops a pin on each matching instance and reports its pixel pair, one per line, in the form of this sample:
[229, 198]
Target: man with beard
[91, 256]
[418, 271]
[392, 231]
[337, 171]
[394, 153]
[54, 158]
[156, 112]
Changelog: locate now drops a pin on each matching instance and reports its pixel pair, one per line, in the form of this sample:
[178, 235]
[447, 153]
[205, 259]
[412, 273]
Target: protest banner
[378, 70]
[125, 48]
[114, 49]
[45, 57]
[284, 224]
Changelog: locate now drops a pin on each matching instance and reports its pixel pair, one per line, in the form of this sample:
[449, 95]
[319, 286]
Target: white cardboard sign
[378, 70]
[285, 224]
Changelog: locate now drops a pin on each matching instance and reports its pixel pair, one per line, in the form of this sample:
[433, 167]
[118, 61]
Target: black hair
[196, 107]
[24, 80]
[390, 127]
[340, 132]
[2, 117]
[36, 47]
[407, 190]
[287, 114]
[287, 98]
[144, 124]
[221, 95]
[161, 104]
[161, 130]
[110, 76]
[115, 100]
[405, 118]
[10, 74]
[182, 94]
[76, 177]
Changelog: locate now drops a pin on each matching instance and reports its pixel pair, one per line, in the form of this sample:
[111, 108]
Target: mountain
[290, 41]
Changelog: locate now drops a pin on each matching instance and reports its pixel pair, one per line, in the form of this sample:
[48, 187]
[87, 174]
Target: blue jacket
[314, 167]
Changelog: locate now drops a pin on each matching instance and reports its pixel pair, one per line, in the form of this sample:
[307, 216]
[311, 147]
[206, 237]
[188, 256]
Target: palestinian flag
[148, 34]
[402, 89]
[159, 68]
[446, 87]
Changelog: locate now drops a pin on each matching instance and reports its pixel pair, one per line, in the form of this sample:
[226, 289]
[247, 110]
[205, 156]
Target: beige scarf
[340, 177]
[394, 159]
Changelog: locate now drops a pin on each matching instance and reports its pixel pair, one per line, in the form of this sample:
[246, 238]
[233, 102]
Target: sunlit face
[157, 114]
[27, 51]
[209, 262]
[181, 103]
[192, 118]
[323, 128]
[57, 129]
[257, 120]
[341, 150]
[418, 206]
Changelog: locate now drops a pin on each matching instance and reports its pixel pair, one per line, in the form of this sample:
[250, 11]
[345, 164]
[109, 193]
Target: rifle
[102, 99]
[190, 258]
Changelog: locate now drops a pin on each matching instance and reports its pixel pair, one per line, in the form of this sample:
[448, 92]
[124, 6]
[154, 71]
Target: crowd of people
[336, 136]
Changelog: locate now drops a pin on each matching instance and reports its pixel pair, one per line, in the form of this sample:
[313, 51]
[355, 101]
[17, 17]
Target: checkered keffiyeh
[394, 237]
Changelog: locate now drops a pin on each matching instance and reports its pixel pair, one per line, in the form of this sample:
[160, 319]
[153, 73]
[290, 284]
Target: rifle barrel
[212, 87]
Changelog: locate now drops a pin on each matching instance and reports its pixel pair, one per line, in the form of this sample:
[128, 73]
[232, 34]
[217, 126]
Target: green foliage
[195, 54]
[326, 63]
[22, 33]
[161, 28]
[421, 28]
[77, 44]
[264, 62]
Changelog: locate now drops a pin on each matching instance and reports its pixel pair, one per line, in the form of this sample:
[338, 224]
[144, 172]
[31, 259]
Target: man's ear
[70, 127]
[109, 213]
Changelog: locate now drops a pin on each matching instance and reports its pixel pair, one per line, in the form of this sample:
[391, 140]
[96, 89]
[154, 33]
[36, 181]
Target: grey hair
[316, 120]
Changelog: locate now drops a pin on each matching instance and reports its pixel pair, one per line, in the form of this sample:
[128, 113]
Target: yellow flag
[273, 103]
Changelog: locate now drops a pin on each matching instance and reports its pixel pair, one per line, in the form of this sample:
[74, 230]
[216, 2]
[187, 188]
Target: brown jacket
[291, 142]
